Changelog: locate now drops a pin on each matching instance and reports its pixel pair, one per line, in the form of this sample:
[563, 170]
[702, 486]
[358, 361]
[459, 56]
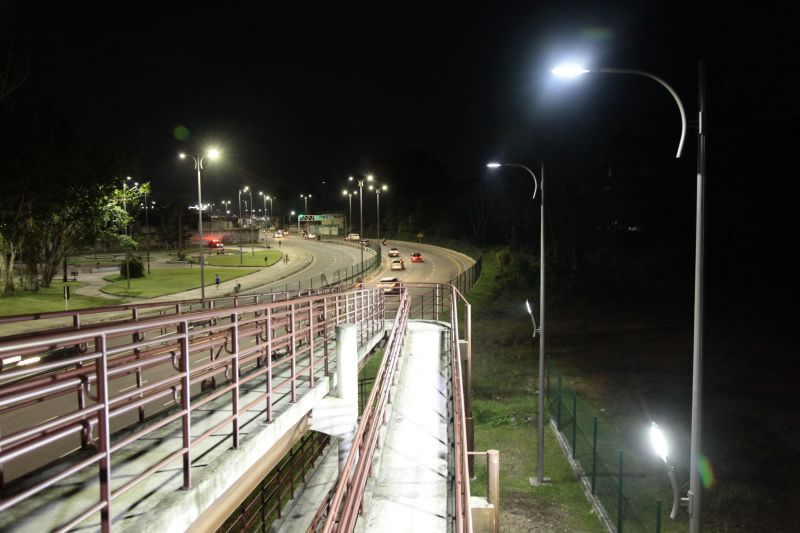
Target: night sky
[299, 97]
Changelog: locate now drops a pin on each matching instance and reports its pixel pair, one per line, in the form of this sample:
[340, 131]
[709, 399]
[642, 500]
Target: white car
[398, 264]
[393, 252]
[278, 234]
[353, 237]
[390, 285]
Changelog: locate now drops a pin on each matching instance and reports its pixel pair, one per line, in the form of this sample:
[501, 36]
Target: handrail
[462, 506]
[285, 344]
[340, 510]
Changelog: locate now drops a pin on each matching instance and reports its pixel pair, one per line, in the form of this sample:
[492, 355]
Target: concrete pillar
[347, 381]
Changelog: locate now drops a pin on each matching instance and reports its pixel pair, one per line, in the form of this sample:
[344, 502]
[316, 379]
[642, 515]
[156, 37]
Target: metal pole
[361, 212]
[127, 253]
[378, 197]
[540, 447]
[697, 359]
[147, 225]
[198, 162]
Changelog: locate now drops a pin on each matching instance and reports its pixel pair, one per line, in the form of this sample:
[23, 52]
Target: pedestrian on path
[217, 280]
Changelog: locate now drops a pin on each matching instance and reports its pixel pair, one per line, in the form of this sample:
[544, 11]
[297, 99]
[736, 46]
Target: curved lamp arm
[663, 84]
[535, 181]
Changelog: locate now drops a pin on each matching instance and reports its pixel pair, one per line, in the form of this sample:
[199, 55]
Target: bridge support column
[337, 415]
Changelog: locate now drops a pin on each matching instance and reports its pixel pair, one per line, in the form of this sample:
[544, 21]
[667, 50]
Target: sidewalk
[299, 259]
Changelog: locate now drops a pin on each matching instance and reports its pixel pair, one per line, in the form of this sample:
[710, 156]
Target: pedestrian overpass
[164, 417]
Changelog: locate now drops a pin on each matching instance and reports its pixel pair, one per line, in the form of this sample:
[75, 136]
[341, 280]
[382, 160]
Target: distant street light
[350, 203]
[198, 158]
[693, 499]
[361, 201]
[305, 198]
[227, 204]
[538, 185]
[378, 200]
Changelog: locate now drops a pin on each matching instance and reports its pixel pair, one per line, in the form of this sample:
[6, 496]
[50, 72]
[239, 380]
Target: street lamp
[298, 222]
[693, 499]
[264, 197]
[378, 199]
[360, 201]
[350, 202]
[125, 208]
[661, 448]
[538, 185]
[270, 199]
[198, 158]
[227, 204]
[305, 198]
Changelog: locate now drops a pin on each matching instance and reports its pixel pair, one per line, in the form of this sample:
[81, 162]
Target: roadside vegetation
[164, 281]
[261, 258]
[51, 298]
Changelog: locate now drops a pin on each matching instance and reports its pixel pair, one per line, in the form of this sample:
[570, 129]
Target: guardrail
[189, 359]
[339, 511]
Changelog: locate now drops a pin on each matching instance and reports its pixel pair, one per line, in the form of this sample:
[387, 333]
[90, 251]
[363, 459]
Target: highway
[439, 265]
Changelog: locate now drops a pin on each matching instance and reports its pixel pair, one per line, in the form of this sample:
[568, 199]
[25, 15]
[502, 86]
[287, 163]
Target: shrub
[136, 267]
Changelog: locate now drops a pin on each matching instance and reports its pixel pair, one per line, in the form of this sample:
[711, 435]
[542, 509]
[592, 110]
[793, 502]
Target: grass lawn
[504, 407]
[50, 299]
[163, 281]
[261, 258]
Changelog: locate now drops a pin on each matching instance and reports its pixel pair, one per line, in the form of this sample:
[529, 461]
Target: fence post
[594, 452]
[574, 420]
[493, 491]
[619, 496]
[658, 516]
[558, 403]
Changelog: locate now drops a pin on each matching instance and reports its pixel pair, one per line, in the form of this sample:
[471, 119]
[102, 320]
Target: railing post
[186, 406]
[658, 516]
[104, 434]
[558, 403]
[347, 380]
[594, 452]
[574, 420]
[235, 391]
[619, 496]
[493, 491]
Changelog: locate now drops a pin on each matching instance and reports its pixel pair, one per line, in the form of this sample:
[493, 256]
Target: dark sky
[297, 94]
[305, 93]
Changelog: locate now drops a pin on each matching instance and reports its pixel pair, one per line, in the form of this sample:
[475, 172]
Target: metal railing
[106, 374]
[339, 511]
[265, 504]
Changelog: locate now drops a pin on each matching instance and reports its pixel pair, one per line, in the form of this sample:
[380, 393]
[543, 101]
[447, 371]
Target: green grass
[50, 299]
[505, 384]
[261, 258]
[504, 409]
[169, 281]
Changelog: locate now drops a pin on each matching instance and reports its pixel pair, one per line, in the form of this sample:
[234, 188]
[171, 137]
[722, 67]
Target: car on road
[416, 257]
[216, 245]
[352, 237]
[393, 252]
[390, 285]
[364, 242]
[278, 234]
[398, 264]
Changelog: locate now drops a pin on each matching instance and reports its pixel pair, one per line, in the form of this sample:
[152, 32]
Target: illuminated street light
[198, 158]
[350, 203]
[378, 199]
[660, 446]
[537, 185]
[305, 198]
[360, 200]
[694, 495]
[573, 71]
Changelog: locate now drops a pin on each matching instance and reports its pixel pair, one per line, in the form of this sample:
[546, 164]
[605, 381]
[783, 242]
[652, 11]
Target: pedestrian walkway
[300, 259]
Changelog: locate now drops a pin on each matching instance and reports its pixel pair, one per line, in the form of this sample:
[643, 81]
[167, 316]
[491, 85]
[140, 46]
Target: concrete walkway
[409, 491]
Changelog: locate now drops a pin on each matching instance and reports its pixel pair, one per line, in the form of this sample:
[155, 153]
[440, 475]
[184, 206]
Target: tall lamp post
[378, 200]
[349, 195]
[227, 205]
[305, 198]
[693, 498]
[198, 159]
[270, 199]
[125, 208]
[361, 201]
[264, 198]
[538, 185]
